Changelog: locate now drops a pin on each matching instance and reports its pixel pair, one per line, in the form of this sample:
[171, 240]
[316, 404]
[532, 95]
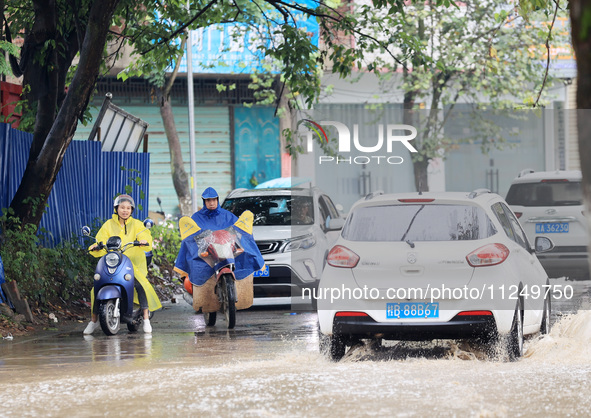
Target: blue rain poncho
[197, 234]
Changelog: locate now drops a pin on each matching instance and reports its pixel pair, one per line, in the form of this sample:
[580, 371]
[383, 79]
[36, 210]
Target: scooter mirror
[85, 231]
[148, 223]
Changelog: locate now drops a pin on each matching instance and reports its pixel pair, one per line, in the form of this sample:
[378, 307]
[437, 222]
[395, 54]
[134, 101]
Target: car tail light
[518, 214]
[554, 181]
[341, 256]
[489, 255]
[416, 200]
[350, 313]
[475, 313]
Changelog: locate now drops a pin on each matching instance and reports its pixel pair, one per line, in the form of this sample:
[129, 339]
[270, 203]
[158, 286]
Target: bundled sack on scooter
[235, 241]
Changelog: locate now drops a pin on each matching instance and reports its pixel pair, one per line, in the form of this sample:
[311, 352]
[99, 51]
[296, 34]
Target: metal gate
[256, 145]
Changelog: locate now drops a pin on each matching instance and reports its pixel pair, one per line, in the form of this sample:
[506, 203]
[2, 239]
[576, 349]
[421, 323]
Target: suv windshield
[274, 210]
[550, 193]
[418, 223]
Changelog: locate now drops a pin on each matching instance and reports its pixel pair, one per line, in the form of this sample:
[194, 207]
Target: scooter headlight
[112, 259]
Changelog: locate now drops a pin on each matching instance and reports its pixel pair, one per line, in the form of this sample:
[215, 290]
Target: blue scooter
[113, 285]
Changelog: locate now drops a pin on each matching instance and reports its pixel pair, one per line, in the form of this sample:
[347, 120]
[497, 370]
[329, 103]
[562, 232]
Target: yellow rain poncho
[137, 255]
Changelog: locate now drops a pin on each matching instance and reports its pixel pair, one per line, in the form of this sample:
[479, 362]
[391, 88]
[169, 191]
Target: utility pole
[191, 116]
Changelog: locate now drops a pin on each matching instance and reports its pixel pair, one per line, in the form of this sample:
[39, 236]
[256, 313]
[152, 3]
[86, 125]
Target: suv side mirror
[543, 244]
[336, 224]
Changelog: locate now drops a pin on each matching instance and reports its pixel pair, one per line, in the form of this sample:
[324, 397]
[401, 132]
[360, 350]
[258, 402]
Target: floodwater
[270, 366]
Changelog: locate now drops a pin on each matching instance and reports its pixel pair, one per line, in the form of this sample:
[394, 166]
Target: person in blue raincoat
[213, 217]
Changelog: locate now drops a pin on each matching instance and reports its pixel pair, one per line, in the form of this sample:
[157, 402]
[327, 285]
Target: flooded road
[270, 366]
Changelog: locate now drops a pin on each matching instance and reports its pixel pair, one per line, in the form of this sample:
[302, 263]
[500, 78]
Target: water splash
[569, 341]
[404, 350]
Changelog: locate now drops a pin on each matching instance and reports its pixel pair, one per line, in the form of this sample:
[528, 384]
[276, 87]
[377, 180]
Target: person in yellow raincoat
[122, 224]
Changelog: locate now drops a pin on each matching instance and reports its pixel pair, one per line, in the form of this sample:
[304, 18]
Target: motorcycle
[114, 285]
[219, 289]
[219, 249]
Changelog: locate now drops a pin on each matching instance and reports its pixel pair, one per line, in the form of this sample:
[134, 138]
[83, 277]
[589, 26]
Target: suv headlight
[112, 259]
[300, 243]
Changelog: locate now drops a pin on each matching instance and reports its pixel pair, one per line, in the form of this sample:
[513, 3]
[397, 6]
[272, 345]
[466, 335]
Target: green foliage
[527, 7]
[154, 30]
[134, 177]
[284, 48]
[165, 247]
[28, 114]
[11, 49]
[482, 54]
[20, 21]
[44, 275]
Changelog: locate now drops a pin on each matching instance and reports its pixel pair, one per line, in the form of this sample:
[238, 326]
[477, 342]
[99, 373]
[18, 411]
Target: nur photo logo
[389, 138]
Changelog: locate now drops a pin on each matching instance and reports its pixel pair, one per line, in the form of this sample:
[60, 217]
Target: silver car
[551, 203]
[294, 229]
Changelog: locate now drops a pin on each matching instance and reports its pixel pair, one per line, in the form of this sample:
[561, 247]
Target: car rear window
[274, 210]
[555, 193]
[418, 222]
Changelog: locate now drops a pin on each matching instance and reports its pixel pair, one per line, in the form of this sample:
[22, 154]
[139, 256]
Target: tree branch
[170, 82]
[548, 57]
[181, 28]
[281, 6]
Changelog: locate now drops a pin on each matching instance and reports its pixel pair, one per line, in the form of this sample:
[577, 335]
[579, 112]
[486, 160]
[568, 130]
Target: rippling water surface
[270, 366]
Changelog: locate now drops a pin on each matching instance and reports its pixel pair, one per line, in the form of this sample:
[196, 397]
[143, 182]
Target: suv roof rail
[373, 194]
[478, 192]
[526, 171]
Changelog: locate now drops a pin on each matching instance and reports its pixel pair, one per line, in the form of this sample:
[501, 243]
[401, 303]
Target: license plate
[264, 272]
[552, 228]
[412, 310]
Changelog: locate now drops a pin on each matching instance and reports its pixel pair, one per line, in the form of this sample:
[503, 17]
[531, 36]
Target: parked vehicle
[114, 285]
[294, 244]
[435, 265]
[551, 203]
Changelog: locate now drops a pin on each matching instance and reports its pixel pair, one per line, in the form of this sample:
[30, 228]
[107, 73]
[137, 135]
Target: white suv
[436, 265]
[294, 247]
[551, 203]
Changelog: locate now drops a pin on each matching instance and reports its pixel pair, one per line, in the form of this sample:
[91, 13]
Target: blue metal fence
[85, 187]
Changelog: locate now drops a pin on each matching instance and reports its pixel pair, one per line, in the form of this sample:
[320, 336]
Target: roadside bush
[64, 273]
[44, 275]
[165, 247]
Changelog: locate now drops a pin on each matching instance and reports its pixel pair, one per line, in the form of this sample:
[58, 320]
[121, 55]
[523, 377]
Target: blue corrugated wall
[85, 186]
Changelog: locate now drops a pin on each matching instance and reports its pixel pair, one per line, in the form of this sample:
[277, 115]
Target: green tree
[65, 47]
[481, 52]
[54, 33]
[283, 48]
